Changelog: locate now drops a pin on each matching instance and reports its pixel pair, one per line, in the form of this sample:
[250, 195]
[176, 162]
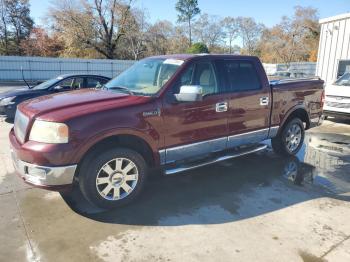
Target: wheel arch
[120, 139]
[296, 112]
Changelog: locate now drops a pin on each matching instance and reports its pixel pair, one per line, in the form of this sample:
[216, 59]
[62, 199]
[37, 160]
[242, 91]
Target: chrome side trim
[173, 154]
[248, 138]
[195, 149]
[219, 159]
[273, 131]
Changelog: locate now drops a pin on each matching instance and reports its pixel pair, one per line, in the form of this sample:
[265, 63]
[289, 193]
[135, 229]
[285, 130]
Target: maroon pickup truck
[174, 112]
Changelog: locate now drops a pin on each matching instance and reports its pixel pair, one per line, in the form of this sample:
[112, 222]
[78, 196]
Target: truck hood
[67, 105]
[335, 90]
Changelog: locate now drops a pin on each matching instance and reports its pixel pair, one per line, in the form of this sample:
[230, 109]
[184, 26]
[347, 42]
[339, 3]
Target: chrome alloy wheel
[117, 179]
[293, 137]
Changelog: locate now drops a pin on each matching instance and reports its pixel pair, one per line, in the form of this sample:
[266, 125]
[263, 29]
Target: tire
[284, 144]
[106, 181]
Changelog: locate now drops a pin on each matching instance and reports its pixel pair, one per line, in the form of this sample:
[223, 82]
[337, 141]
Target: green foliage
[198, 48]
[15, 25]
[187, 9]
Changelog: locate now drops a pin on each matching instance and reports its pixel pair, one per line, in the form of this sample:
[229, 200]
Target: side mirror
[58, 88]
[189, 94]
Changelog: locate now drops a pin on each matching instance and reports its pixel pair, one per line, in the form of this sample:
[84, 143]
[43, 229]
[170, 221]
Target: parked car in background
[337, 100]
[175, 113]
[9, 100]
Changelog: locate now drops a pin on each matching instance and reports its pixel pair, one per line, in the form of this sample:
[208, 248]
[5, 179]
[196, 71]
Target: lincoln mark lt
[172, 113]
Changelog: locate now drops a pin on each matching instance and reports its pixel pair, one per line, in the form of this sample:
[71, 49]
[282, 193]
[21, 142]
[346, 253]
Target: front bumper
[44, 176]
[336, 114]
[9, 111]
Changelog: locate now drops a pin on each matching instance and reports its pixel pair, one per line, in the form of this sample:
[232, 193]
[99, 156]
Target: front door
[248, 99]
[195, 128]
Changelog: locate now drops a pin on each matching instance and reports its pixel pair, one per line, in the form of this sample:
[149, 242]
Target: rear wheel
[113, 178]
[290, 139]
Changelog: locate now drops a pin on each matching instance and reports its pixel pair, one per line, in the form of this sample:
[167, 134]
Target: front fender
[145, 135]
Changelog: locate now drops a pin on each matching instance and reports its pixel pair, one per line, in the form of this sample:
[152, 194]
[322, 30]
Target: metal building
[334, 48]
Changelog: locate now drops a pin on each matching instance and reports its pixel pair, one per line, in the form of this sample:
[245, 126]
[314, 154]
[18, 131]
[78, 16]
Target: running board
[242, 152]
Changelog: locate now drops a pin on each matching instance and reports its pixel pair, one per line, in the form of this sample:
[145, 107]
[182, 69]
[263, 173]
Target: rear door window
[238, 76]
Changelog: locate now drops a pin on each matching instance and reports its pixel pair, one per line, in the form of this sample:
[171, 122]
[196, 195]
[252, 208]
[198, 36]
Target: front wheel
[290, 139]
[113, 178]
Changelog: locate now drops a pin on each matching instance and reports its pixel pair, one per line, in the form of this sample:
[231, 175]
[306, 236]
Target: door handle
[264, 101]
[221, 107]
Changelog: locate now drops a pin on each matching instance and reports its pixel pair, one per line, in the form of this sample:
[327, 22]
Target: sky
[268, 12]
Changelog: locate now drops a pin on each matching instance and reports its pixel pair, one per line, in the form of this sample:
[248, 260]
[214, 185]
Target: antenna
[23, 77]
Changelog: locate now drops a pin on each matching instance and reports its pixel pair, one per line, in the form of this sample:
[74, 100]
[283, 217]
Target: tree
[136, 32]
[293, 39]
[250, 33]
[15, 25]
[39, 43]
[231, 31]
[208, 30]
[187, 9]
[160, 37]
[96, 24]
[198, 48]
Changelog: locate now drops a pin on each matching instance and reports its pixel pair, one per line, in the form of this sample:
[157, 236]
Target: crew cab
[172, 113]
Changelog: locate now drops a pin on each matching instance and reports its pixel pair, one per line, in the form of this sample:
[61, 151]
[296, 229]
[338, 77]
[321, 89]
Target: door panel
[248, 102]
[190, 123]
[195, 128]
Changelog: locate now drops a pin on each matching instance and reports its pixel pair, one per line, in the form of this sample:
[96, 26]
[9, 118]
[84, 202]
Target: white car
[337, 100]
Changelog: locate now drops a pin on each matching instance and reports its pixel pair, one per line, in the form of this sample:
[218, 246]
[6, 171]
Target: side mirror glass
[190, 94]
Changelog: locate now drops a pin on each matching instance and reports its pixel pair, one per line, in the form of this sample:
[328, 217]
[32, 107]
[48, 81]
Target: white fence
[43, 68]
[300, 68]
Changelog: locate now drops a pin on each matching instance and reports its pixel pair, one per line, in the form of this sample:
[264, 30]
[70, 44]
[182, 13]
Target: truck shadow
[237, 189]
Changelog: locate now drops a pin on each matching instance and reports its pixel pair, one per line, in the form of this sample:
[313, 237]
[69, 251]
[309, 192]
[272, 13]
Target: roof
[334, 18]
[190, 56]
[74, 75]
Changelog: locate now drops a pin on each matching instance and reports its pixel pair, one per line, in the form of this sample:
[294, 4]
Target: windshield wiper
[121, 88]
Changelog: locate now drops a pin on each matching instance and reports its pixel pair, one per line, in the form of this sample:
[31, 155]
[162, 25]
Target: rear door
[248, 101]
[195, 128]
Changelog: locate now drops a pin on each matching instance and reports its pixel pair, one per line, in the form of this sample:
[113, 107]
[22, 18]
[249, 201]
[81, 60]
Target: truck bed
[289, 94]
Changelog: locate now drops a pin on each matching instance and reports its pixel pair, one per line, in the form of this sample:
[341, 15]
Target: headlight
[7, 101]
[49, 132]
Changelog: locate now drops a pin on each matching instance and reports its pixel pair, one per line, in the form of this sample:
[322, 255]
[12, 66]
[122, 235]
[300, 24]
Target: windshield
[47, 84]
[344, 80]
[145, 77]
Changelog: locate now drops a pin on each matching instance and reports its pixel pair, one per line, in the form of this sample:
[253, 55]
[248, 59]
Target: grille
[20, 126]
[338, 105]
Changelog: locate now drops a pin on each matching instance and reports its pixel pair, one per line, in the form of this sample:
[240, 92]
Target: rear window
[238, 76]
